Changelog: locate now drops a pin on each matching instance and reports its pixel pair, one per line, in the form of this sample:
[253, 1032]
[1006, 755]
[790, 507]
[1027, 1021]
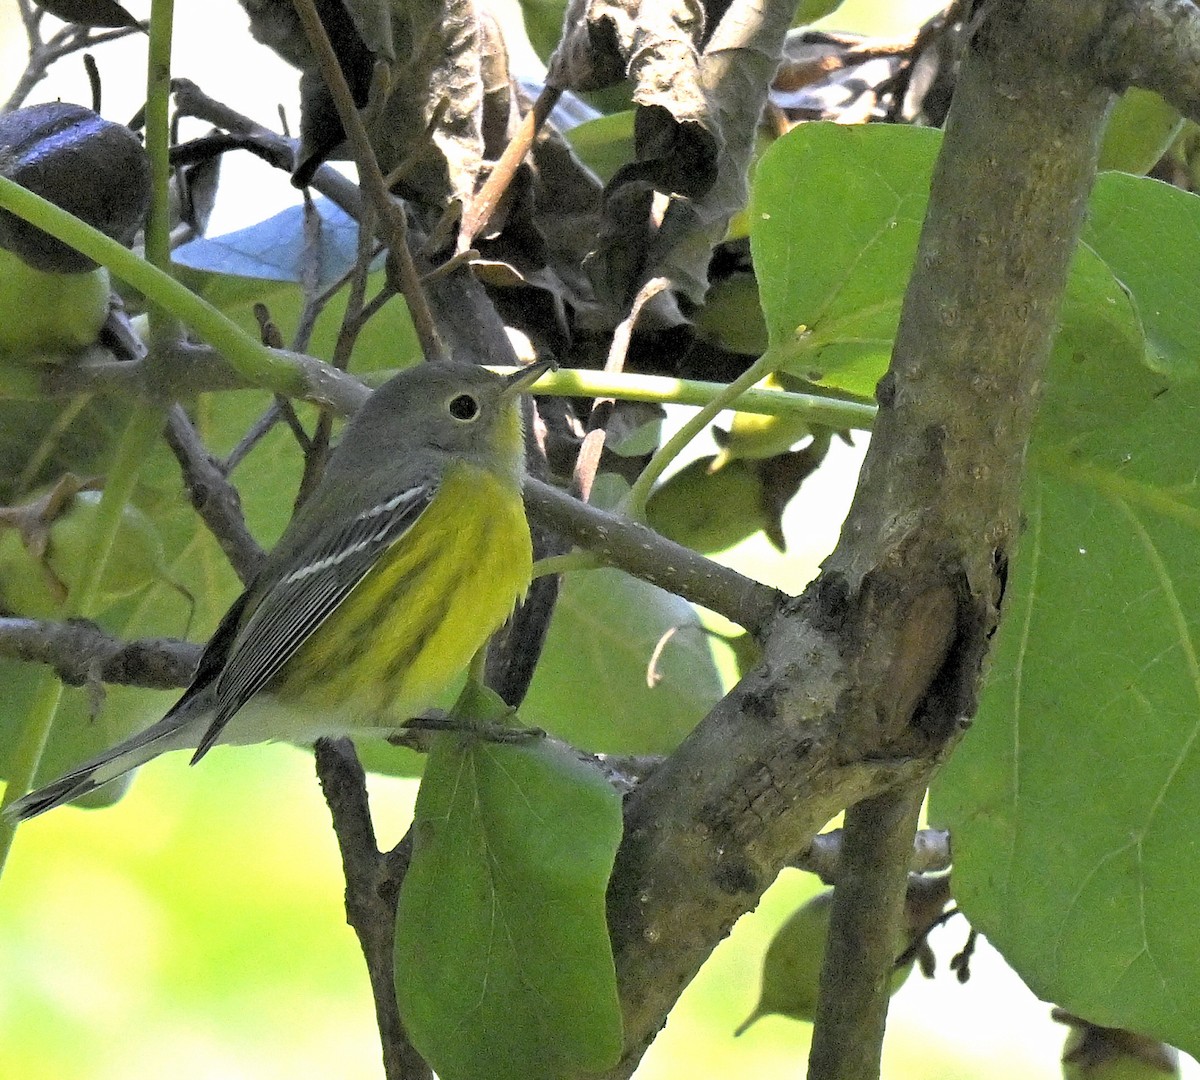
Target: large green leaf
[1148, 233]
[835, 213]
[594, 686]
[1074, 799]
[503, 963]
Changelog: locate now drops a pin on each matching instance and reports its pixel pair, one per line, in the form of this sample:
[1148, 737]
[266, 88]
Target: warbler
[411, 551]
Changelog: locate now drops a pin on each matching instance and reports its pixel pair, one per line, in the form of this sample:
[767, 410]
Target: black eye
[464, 407]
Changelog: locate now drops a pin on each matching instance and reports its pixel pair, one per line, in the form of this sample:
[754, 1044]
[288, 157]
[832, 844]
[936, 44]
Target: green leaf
[604, 144]
[1148, 233]
[1074, 799]
[835, 213]
[503, 963]
[1140, 128]
[591, 686]
[1099, 317]
[543, 24]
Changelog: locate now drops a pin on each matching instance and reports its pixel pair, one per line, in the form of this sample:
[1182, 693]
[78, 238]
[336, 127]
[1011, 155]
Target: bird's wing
[304, 596]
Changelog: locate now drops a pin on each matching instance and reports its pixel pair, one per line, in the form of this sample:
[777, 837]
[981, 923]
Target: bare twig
[483, 205]
[391, 214]
[81, 653]
[215, 499]
[43, 53]
[588, 462]
[644, 553]
[278, 150]
[372, 884]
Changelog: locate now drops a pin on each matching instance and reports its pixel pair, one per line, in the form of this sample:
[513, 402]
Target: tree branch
[860, 956]
[215, 499]
[644, 553]
[80, 652]
[1154, 44]
[866, 677]
[372, 882]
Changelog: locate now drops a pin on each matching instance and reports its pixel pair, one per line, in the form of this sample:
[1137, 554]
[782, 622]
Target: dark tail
[181, 727]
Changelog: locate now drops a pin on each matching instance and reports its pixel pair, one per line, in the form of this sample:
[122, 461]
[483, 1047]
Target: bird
[411, 551]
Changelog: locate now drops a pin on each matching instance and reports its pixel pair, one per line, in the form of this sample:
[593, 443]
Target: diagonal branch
[866, 677]
[1154, 44]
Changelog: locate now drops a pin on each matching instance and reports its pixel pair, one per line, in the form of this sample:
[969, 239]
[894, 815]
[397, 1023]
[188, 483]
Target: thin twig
[372, 884]
[587, 464]
[481, 208]
[392, 217]
[42, 54]
[215, 499]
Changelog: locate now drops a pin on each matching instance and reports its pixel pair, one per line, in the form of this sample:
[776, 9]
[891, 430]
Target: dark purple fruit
[75, 159]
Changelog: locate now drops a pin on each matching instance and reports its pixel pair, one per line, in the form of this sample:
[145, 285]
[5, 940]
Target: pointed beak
[523, 378]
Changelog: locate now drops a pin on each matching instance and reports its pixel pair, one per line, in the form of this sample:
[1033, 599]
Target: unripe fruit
[754, 436]
[791, 974]
[732, 315]
[706, 510]
[47, 314]
[37, 588]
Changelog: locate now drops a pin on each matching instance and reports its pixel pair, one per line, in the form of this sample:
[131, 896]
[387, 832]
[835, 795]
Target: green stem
[634, 503]
[158, 138]
[164, 328]
[133, 449]
[823, 411]
[248, 357]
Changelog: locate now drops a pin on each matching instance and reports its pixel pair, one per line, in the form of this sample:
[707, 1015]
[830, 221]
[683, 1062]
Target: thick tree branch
[1154, 44]
[866, 677]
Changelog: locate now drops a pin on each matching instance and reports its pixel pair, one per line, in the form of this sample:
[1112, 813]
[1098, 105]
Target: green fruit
[791, 974]
[43, 315]
[1140, 128]
[705, 510]
[754, 436]
[1092, 1052]
[37, 588]
[810, 11]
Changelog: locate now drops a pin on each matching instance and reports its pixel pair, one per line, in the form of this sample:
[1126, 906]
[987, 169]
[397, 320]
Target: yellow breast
[428, 605]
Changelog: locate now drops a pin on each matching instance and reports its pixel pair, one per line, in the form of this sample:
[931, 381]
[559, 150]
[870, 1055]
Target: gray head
[450, 408]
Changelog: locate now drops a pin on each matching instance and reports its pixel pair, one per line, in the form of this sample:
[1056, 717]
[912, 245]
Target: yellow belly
[428, 605]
